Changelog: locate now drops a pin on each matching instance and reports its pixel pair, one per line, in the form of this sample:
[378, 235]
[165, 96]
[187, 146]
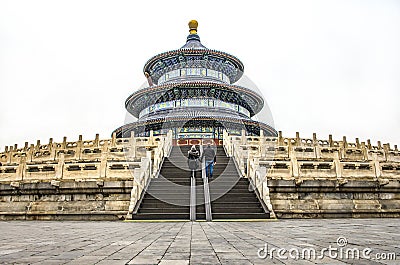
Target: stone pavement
[197, 242]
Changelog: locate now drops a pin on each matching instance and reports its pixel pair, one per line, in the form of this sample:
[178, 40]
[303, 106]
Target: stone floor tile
[174, 262]
[113, 262]
[197, 242]
[86, 260]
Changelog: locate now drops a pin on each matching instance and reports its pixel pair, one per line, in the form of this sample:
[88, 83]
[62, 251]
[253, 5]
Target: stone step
[232, 198]
[150, 195]
[162, 216]
[159, 204]
[180, 210]
[218, 210]
[240, 216]
[240, 204]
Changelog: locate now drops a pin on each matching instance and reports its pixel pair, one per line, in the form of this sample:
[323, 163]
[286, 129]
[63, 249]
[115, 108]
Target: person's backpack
[193, 164]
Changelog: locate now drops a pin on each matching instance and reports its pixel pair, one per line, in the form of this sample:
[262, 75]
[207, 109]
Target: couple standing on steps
[194, 159]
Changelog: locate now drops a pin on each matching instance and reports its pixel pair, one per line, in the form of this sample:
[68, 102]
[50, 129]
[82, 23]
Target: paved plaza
[201, 242]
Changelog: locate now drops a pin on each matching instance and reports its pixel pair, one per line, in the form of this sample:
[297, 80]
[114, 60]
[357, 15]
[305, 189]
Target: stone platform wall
[313, 178]
[78, 180]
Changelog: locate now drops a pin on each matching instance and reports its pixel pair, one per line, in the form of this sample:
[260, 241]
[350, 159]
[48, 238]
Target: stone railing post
[96, 140]
[330, 140]
[31, 153]
[168, 143]
[228, 143]
[298, 141]
[10, 154]
[135, 191]
[264, 192]
[132, 146]
[364, 151]
[114, 140]
[342, 148]
[79, 147]
[261, 141]
[151, 138]
[338, 167]
[280, 138]
[295, 166]
[60, 166]
[317, 147]
[148, 156]
[261, 176]
[21, 169]
[377, 166]
[103, 160]
[243, 139]
[386, 148]
[52, 149]
[64, 143]
[138, 173]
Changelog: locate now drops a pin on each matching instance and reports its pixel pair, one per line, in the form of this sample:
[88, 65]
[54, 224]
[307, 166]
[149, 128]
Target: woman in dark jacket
[193, 159]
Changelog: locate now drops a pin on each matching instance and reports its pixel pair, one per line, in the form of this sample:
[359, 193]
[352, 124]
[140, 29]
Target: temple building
[191, 92]
[141, 172]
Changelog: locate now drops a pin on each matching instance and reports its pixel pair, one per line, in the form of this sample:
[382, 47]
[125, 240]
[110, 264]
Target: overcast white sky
[330, 67]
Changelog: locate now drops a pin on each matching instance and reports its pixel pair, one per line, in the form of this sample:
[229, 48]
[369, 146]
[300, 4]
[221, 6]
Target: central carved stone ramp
[230, 195]
[168, 196]
[200, 207]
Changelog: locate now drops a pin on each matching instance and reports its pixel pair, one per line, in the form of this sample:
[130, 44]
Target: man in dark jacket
[211, 160]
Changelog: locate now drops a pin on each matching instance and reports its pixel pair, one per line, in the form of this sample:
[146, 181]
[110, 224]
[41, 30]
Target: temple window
[193, 72]
[205, 102]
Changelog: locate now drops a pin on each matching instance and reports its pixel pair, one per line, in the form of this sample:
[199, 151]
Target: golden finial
[193, 24]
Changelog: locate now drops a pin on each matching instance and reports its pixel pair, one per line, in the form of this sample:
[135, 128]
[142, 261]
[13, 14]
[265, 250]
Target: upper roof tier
[193, 61]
